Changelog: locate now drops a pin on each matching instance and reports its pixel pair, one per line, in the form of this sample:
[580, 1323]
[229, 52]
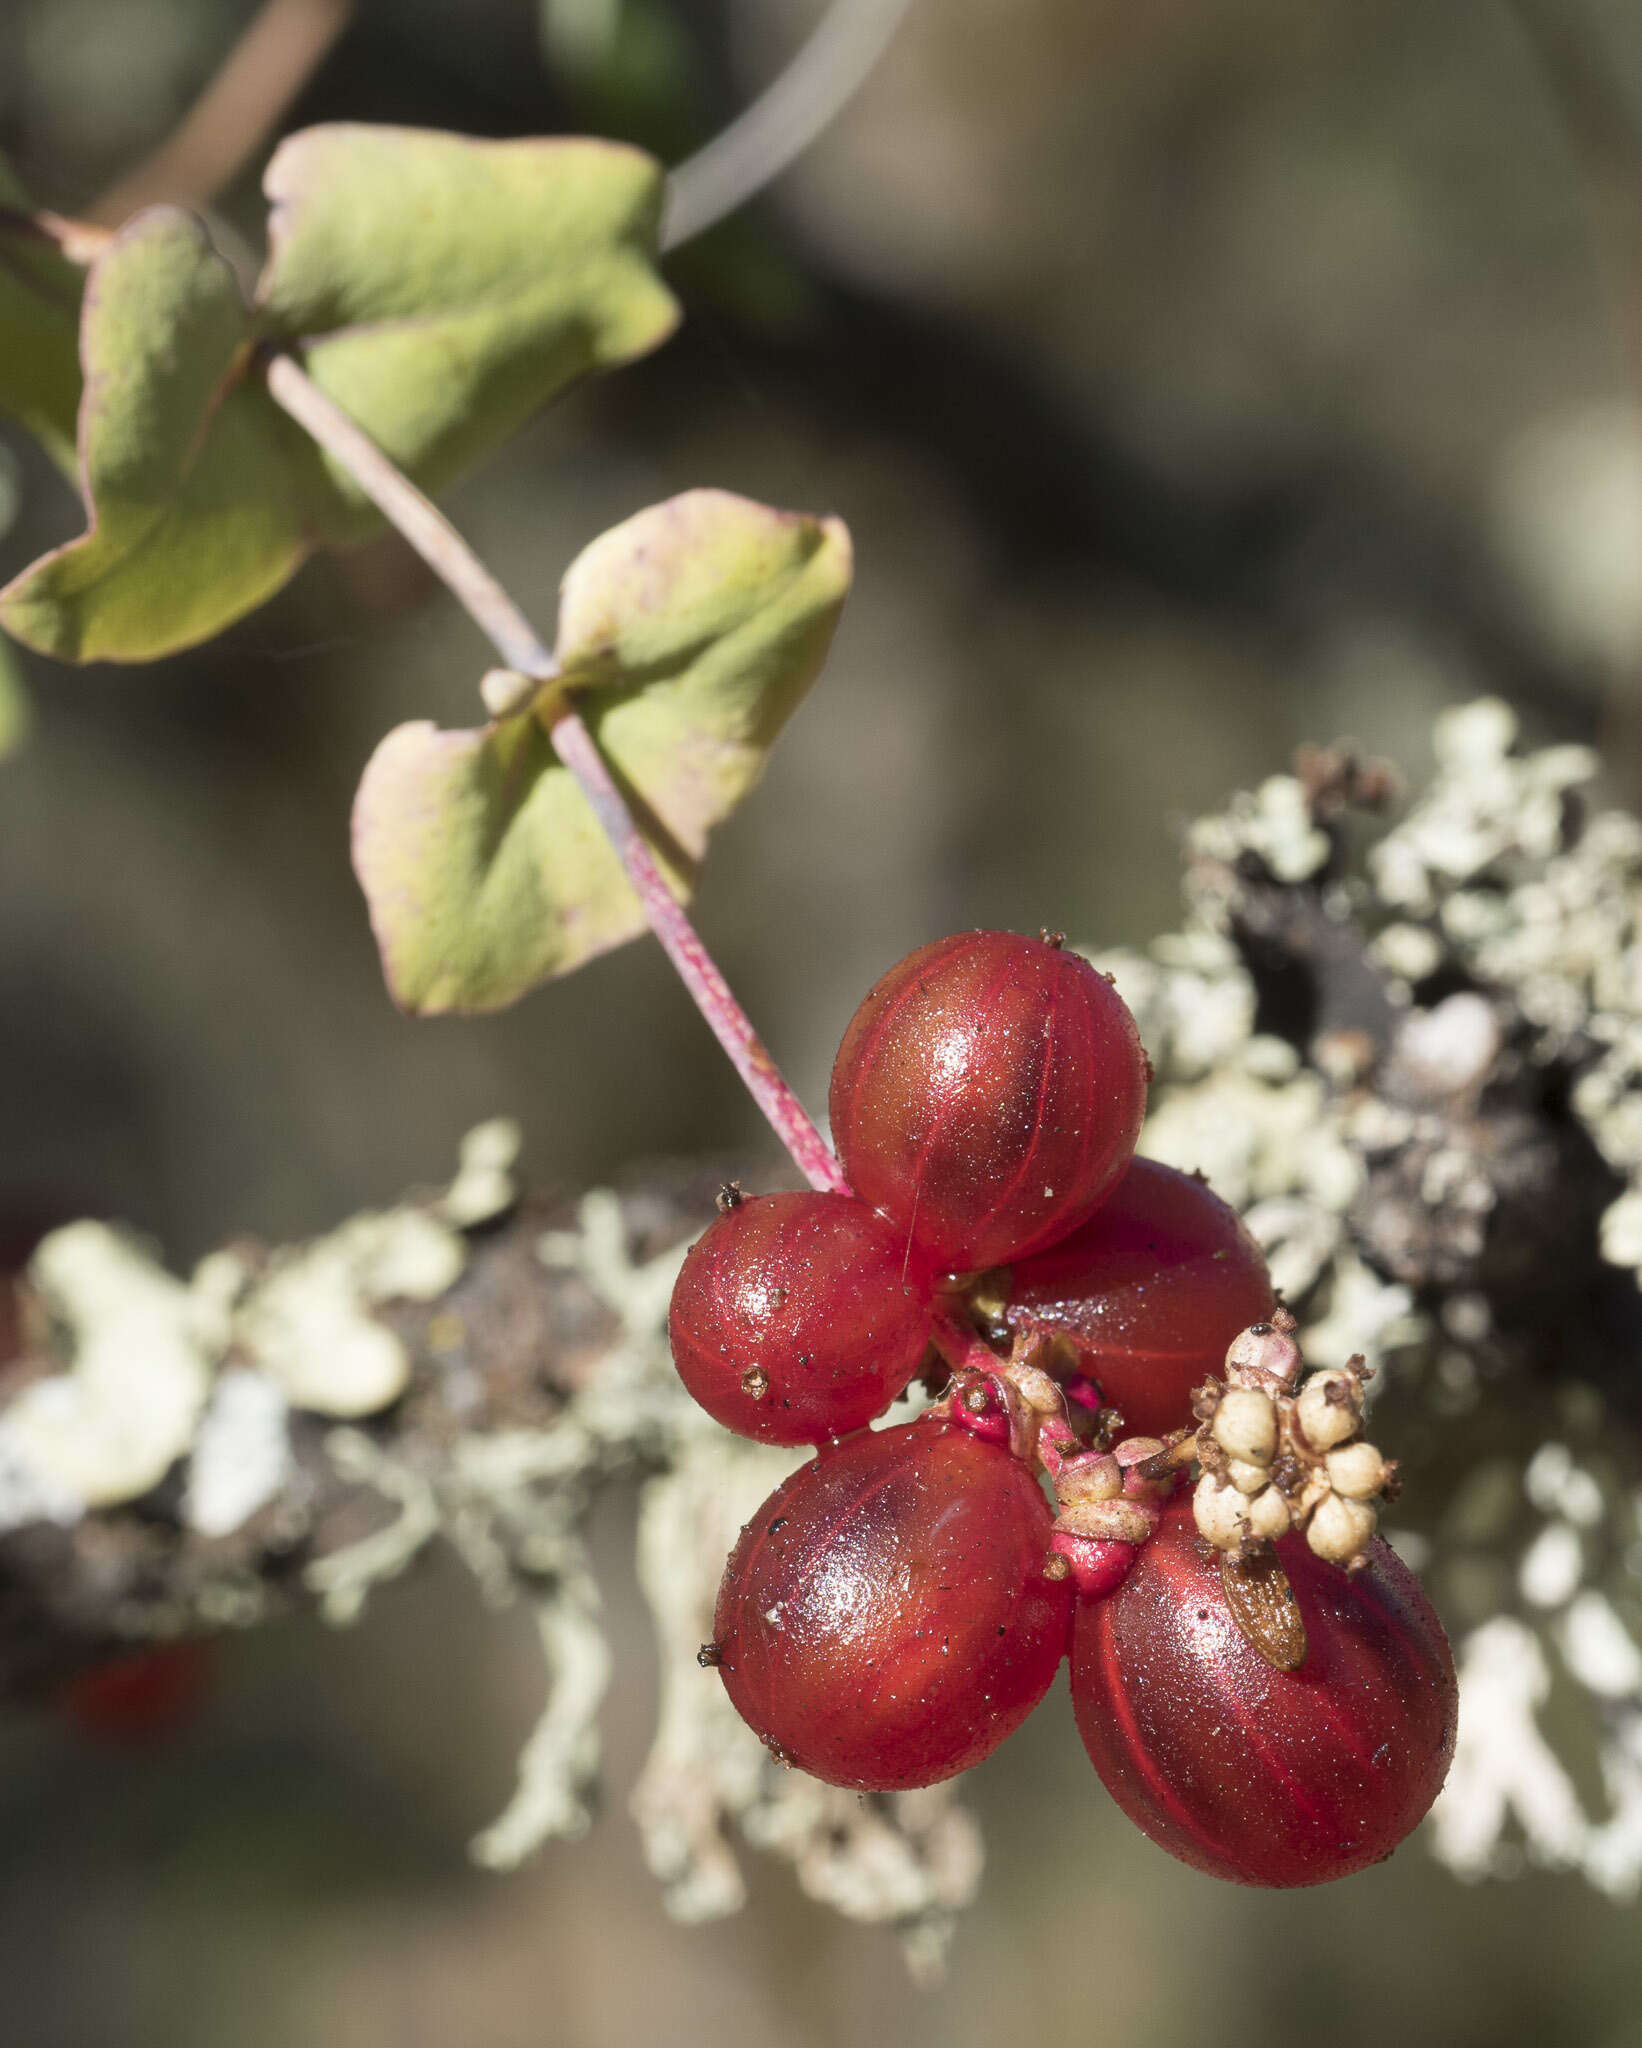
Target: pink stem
[787, 1117]
[515, 639]
[959, 1345]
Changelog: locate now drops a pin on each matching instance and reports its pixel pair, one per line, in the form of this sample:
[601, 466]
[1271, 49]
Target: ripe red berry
[1258, 1775]
[1150, 1290]
[799, 1317]
[143, 1698]
[885, 1619]
[987, 1095]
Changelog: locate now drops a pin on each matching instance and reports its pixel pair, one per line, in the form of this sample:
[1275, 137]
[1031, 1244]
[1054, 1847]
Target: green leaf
[688, 636]
[39, 315]
[15, 716]
[192, 477]
[441, 290]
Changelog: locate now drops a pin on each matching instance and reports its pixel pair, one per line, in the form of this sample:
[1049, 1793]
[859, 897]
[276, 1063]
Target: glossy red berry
[987, 1095]
[1150, 1290]
[799, 1317]
[1249, 1773]
[885, 1619]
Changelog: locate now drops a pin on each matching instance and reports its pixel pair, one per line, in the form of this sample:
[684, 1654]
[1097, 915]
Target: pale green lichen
[484, 1187]
[308, 1321]
[1495, 876]
[144, 1348]
[143, 1351]
[242, 1453]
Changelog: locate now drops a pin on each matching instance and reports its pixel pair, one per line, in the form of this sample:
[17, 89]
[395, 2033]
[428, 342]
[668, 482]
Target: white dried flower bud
[1221, 1513]
[1245, 1477]
[1340, 1528]
[1329, 1408]
[1109, 1521]
[1268, 1514]
[1262, 1354]
[1089, 1479]
[1356, 1470]
[1245, 1425]
[1038, 1390]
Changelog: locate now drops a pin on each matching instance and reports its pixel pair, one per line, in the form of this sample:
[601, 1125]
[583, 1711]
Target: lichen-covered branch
[1406, 1041]
[294, 1427]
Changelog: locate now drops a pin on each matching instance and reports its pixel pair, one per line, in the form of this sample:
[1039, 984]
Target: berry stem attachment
[515, 639]
[961, 1347]
[1110, 1500]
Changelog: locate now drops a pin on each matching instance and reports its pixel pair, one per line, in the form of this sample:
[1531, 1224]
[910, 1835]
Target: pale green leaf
[440, 290]
[688, 635]
[39, 316]
[192, 477]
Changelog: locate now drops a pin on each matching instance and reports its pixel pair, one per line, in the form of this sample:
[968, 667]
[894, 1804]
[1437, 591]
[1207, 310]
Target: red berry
[1258, 1775]
[885, 1619]
[1150, 1290]
[798, 1317]
[143, 1698]
[987, 1095]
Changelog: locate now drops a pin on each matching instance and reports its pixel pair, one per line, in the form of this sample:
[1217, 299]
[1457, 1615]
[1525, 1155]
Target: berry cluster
[902, 1602]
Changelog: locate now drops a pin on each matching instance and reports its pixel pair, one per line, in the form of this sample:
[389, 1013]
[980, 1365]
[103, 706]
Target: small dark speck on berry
[710, 1656]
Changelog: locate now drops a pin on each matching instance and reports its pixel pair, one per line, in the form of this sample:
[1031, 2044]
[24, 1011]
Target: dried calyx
[1279, 1454]
[1108, 1496]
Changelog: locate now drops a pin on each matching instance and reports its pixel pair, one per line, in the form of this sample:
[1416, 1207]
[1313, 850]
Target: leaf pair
[687, 636]
[440, 290]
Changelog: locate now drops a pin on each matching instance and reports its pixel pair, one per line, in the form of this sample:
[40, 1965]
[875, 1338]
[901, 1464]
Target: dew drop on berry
[885, 1619]
[1150, 1291]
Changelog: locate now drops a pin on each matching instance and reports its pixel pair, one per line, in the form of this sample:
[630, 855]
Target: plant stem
[961, 1345]
[782, 122]
[516, 640]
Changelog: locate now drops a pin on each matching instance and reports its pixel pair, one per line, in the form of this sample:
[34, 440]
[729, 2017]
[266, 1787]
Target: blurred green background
[1195, 378]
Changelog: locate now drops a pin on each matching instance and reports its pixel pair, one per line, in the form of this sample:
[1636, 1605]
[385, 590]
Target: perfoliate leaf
[192, 477]
[687, 636]
[39, 315]
[440, 290]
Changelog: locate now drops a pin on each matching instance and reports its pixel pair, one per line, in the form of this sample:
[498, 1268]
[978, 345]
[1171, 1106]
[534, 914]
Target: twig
[516, 640]
[237, 110]
[782, 123]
